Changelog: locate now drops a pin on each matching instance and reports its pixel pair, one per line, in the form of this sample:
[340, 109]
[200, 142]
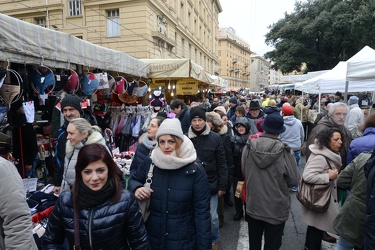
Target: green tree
[320, 33]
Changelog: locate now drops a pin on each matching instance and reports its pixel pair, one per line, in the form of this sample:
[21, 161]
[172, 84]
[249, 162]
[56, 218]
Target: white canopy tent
[362, 68]
[336, 79]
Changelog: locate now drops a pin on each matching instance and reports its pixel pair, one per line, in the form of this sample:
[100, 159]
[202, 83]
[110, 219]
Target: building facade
[260, 69]
[234, 56]
[275, 76]
[154, 29]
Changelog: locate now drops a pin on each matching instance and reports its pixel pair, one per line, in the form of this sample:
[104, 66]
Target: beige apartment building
[154, 29]
[260, 69]
[234, 56]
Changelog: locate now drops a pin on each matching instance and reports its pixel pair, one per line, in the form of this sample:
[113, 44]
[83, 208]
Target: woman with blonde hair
[80, 133]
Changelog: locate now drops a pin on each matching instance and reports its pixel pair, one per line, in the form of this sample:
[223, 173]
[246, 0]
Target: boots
[221, 221]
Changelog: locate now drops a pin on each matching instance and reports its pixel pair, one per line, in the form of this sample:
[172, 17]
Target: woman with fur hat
[217, 125]
[179, 194]
[241, 128]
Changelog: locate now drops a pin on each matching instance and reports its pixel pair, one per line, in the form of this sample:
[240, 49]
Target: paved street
[234, 234]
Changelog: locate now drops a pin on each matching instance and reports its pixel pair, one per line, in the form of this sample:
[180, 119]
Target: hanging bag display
[42, 79]
[11, 92]
[145, 204]
[315, 197]
[89, 84]
[103, 80]
[72, 84]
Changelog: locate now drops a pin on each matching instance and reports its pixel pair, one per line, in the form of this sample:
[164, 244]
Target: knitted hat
[233, 100]
[273, 124]
[353, 100]
[214, 118]
[197, 112]
[287, 110]
[170, 127]
[71, 100]
[221, 109]
[254, 105]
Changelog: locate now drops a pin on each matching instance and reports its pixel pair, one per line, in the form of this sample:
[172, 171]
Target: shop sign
[187, 88]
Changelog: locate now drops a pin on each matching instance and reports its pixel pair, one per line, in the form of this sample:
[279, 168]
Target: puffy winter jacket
[179, 206]
[361, 144]
[107, 226]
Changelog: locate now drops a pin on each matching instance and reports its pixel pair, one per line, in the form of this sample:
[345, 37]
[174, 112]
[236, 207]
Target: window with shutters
[113, 23]
[75, 8]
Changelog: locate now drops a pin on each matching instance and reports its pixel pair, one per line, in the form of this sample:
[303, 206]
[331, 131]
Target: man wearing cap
[293, 135]
[211, 152]
[71, 108]
[255, 114]
[355, 117]
[270, 169]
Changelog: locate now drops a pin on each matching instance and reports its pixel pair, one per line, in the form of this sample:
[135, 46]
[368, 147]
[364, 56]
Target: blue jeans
[32, 173]
[343, 244]
[214, 218]
[297, 156]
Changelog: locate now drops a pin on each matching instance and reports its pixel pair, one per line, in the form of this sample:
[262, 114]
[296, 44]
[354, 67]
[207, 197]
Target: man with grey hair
[335, 119]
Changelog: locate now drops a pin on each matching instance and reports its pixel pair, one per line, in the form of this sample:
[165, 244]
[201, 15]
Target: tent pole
[346, 91]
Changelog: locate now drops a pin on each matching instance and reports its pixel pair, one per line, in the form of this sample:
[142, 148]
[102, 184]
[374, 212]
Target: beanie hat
[71, 100]
[273, 124]
[214, 118]
[221, 109]
[233, 100]
[353, 100]
[287, 110]
[254, 105]
[170, 127]
[197, 112]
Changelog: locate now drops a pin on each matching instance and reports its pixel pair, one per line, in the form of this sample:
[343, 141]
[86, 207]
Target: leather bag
[315, 197]
[144, 204]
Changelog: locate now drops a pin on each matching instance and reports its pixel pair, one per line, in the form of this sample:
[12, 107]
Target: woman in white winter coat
[324, 154]
[80, 133]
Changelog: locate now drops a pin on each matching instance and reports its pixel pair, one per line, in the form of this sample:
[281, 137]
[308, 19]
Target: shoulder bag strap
[329, 164]
[77, 243]
[149, 177]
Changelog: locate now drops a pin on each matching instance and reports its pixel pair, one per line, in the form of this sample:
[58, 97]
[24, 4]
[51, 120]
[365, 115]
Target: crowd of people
[194, 165]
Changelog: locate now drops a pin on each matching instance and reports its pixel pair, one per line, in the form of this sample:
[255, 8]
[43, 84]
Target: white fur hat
[170, 127]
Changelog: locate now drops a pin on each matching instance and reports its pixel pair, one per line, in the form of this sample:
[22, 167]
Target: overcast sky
[250, 19]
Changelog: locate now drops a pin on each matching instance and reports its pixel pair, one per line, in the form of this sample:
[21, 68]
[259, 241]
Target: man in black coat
[211, 152]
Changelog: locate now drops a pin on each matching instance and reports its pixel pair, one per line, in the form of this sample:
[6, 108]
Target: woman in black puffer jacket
[241, 128]
[109, 217]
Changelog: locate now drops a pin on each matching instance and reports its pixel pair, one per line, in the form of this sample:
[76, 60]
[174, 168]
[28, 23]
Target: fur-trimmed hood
[95, 137]
[191, 134]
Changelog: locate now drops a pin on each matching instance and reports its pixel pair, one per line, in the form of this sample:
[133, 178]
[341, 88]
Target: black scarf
[198, 133]
[89, 198]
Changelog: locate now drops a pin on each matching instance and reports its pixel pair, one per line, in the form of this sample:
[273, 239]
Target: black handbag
[315, 197]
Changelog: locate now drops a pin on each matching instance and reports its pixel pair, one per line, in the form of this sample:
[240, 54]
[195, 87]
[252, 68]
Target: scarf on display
[187, 155]
[89, 198]
[149, 144]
